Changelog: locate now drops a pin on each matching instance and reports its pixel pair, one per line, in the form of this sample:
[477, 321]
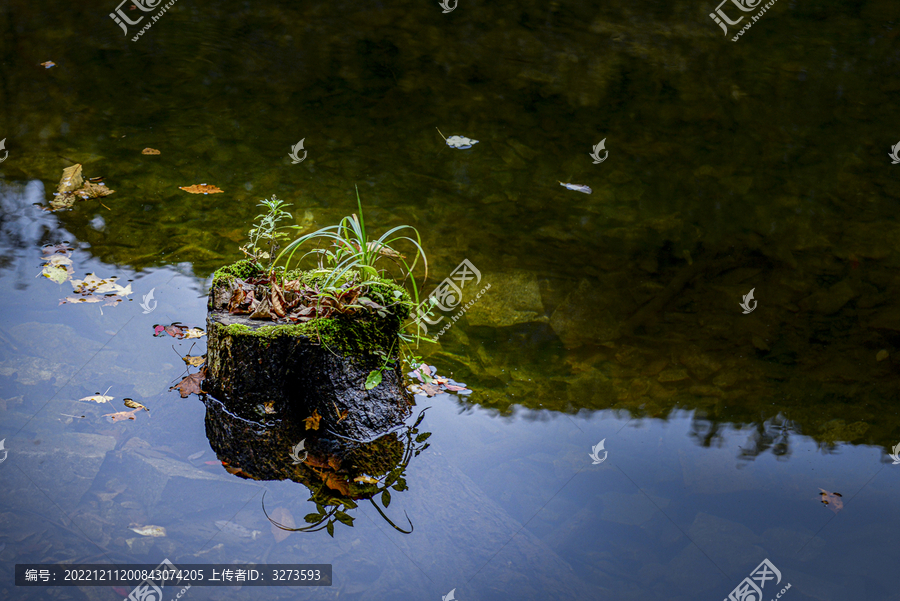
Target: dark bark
[297, 376]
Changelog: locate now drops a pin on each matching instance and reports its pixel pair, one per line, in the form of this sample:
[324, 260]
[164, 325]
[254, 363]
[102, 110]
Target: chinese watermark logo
[745, 305]
[3, 147]
[895, 150]
[295, 150]
[596, 154]
[5, 452]
[750, 588]
[445, 4]
[895, 455]
[447, 296]
[123, 21]
[147, 299]
[148, 590]
[595, 453]
[295, 453]
[746, 6]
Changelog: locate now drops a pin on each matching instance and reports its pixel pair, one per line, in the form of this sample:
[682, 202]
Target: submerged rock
[514, 298]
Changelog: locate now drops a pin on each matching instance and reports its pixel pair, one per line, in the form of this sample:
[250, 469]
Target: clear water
[758, 164]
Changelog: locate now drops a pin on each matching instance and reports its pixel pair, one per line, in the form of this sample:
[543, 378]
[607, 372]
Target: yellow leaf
[57, 273]
[193, 332]
[193, 361]
[312, 422]
[149, 151]
[71, 179]
[201, 189]
[135, 405]
[366, 479]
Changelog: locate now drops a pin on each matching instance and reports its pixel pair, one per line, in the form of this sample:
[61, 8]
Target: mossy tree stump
[299, 370]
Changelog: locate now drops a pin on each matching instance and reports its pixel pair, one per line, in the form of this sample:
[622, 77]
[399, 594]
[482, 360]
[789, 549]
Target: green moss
[243, 269]
[348, 337]
[364, 332]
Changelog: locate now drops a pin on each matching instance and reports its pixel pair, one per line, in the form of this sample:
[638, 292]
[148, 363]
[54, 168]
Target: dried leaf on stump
[312, 422]
[201, 189]
[190, 384]
[335, 482]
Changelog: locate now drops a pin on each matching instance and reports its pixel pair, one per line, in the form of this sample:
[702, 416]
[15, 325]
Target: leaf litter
[72, 187]
[431, 384]
[177, 330]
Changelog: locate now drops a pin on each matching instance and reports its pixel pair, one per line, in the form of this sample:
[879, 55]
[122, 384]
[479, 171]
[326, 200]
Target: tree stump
[316, 369]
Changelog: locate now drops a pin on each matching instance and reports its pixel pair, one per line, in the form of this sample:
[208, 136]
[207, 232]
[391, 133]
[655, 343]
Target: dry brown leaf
[149, 151]
[134, 404]
[334, 463]
[194, 361]
[90, 190]
[283, 517]
[832, 500]
[71, 179]
[312, 422]
[121, 415]
[335, 482]
[194, 333]
[190, 384]
[201, 189]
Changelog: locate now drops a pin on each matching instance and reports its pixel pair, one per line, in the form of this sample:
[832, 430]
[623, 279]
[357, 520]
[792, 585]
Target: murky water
[760, 165]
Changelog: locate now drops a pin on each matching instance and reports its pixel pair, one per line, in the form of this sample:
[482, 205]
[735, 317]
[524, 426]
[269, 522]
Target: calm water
[759, 164]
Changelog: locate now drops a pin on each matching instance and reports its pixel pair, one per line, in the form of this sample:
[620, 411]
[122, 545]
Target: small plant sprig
[266, 233]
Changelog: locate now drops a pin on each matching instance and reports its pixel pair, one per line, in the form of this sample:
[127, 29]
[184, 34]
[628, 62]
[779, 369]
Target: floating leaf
[201, 189]
[460, 142]
[196, 456]
[62, 247]
[577, 187]
[832, 500]
[56, 273]
[366, 480]
[312, 422]
[48, 64]
[190, 384]
[149, 530]
[121, 415]
[98, 398]
[373, 379]
[134, 404]
[283, 517]
[149, 151]
[194, 361]
[71, 179]
[194, 333]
